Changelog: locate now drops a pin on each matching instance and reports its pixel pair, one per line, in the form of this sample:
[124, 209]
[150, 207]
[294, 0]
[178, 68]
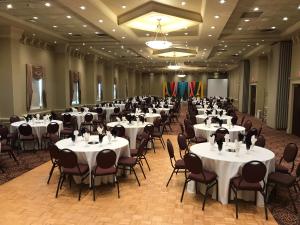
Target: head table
[228, 164]
[206, 131]
[131, 130]
[87, 153]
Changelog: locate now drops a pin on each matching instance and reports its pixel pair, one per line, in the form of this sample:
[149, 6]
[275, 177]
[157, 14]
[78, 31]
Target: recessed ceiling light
[82, 7]
[102, 48]
[123, 37]
[83, 44]
[246, 20]
[298, 7]
[222, 1]
[76, 49]
[255, 9]
[84, 25]
[69, 33]
[47, 4]
[210, 35]
[240, 28]
[257, 43]
[91, 46]
[113, 30]
[262, 40]
[147, 34]
[212, 27]
[166, 34]
[183, 3]
[54, 26]
[69, 17]
[123, 6]
[225, 46]
[100, 21]
[122, 46]
[186, 33]
[285, 18]
[205, 49]
[273, 27]
[248, 45]
[55, 42]
[33, 34]
[35, 18]
[217, 16]
[9, 6]
[96, 32]
[109, 50]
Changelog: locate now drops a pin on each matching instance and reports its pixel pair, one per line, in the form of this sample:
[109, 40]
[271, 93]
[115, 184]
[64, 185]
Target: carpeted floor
[276, 140]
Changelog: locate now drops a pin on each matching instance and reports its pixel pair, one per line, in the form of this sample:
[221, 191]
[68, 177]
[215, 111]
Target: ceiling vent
[251, 14]
[222, 50]
[101, 35]
[76, 35]
[267, 30]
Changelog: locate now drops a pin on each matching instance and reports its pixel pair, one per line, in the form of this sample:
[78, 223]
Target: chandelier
[159, 44]
[181, 74]
[174, 66]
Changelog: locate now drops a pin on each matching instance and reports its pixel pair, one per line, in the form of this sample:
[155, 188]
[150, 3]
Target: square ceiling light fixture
[145, 17]
[175, 52]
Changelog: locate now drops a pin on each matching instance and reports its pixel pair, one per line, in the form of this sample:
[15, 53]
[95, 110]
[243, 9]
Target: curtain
[74, 78]
[36, 73]
[71, 86]
[183, 89]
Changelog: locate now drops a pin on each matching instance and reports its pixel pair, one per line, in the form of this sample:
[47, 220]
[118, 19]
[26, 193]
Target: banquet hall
[149, 112]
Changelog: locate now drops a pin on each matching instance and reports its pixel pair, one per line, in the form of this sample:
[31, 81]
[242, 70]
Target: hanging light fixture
[159, 44]
[174, 66]
[181, 74]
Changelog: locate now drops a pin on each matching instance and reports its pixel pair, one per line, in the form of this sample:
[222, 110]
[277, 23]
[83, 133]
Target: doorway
[252, 100]
[296, 111]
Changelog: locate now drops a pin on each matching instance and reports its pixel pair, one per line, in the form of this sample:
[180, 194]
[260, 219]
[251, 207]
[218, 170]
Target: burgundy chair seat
[127, 161]
[244, 185]
[133, 152]
[280, 168]
[102, 171]
[209, 177]
[75, 171]
[179, 164]
[5, 147]
[282, 179]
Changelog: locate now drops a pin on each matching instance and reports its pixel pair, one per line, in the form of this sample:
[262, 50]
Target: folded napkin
[100, 130]
[123, 118]
[74, 109]
[253, 140]
[212, 139]
[118, 119]
[226, 137]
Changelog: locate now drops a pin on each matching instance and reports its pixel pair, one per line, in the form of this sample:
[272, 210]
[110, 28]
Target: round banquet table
[109, 111]
[80, 116]
[202, 111]
[131, 130]
[201, 118]
[39, 127]
[158, 110]
[87, 153]
[121, 106]
[228, 165]
[150, 117]
[205, 131]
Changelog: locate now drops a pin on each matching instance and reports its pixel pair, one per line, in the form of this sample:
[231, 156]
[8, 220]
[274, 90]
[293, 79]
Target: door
[296, 112]
[252, 100]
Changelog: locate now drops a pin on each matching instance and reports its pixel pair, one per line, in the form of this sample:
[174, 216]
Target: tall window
[99, 92]
[115, 91]
[75, 100]
[37, 94]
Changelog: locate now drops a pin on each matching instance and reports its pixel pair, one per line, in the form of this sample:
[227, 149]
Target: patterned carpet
[276, 140]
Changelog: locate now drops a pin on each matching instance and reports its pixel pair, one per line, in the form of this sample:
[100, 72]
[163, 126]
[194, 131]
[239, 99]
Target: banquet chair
[177, 165]
[220, 134]
[286, 181]
[54, 156]
[181, 128]
[68, 165]
[252, 131]
[166, 120]
[120, 130]
[5, 144]
[289, 156]
[106, 165]
[198, 174]
[26, 135]
[141, 153]
[69, 125]
[259, 130]
[182, 144]
[247, 125]
[88, 122]
[52, 129]
[253, 174]
[261, 141]
[242, 120]
[148, 129]
[158, 131]
[101, 114]
[191, 137]
[14, 118]
[131, 162]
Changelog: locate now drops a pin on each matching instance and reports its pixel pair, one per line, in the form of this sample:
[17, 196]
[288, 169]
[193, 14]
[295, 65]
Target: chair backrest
[298, 170]
[242, 120]
[154, 110]
[261, 141]
[99, 110]
[149, 128]
[52, 128]
[254, 171]
[181, 128]
[3, 132]
[142, 147]
[193, 119]
[193, 163]
[189, 130]
[67, 118]
[25, 129]
[157, 122]
[106, 158]
[252, 131]
[14, 118]
[116, 110]
[182, 143]
[248, 125]
[88, 117]
[170, 149]
[67, 158]
[259, 130]
[290, 152]
[220, 134]
[54, 152]
[120, 130]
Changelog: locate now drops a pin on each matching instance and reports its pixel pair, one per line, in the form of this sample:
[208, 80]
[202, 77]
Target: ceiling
[241, 28]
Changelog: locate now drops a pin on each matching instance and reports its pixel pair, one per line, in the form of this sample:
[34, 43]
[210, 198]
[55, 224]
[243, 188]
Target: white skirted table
[131, 130]
[158, 110]
[39, 127]
[205, 131]
[228, 164]
[80, 116]
[202, 111]
[121, 106]
[109, 111]
[150, 117]
[87, 153]
[201, 118]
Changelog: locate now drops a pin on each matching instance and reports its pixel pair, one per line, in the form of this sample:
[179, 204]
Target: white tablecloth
[109, 111]
[131, 130]
[166, 110]
[38, 128]
[227, 165]
[80, 116]
[150, 117]
[201, 111]
[87, 153]
[201, 118]
[205, 131]
[121, 106]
